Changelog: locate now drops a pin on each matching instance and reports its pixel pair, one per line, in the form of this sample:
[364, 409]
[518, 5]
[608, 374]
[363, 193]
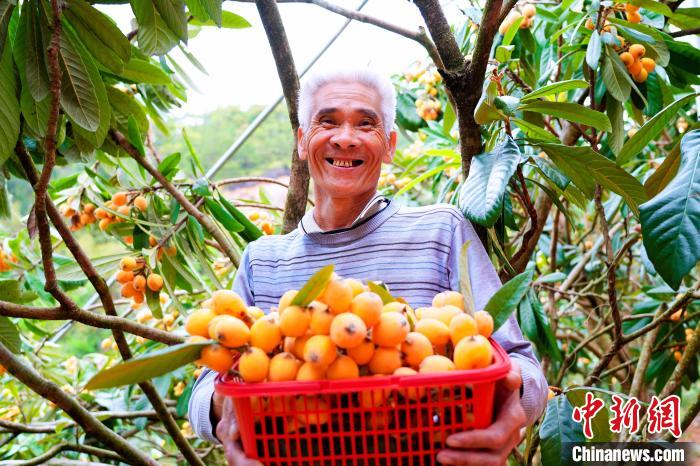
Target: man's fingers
[236, 457]
[497, 456]
[510, 419]
[514, 378]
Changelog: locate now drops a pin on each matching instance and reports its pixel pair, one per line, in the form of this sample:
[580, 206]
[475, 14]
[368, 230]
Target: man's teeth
[342, 163]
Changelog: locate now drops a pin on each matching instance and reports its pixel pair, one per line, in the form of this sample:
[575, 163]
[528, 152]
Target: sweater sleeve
[199, 408]
[484, 283]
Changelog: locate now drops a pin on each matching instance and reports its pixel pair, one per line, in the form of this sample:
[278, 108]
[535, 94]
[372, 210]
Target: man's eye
[366, 123]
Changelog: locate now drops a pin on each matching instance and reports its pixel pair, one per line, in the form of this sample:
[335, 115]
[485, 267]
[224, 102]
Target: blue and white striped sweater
[414, 250]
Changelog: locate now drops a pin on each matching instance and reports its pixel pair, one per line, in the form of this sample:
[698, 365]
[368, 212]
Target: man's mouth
[344, 163]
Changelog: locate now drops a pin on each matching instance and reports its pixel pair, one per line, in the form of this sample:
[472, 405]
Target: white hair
[381, 84]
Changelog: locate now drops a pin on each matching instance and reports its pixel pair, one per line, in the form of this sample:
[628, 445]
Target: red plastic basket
[325, 422]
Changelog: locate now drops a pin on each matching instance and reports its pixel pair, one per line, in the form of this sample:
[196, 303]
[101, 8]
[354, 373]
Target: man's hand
[491, 446]
[227, 433]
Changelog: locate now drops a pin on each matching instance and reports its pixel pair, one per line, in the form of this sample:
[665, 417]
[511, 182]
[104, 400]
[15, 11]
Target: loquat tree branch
[295, 204]
[61, 447]
[203, 219]
[89, 318]
[50, 427]
[92, 426]
[687, 358]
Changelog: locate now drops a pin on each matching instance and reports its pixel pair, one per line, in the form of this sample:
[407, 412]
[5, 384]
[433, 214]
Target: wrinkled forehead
[346, 96]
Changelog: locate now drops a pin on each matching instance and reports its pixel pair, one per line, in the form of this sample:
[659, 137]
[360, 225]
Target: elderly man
[346, 134]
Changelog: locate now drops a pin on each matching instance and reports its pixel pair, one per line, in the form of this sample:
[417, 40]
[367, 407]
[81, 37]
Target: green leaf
[222, 215]
[448, 118]
[615, 79]
[9, 105]
[653, 5]
[600, 424]
[651, 129]
[173, 14]
[169, 165]
[142, 71]
[99, 34]
[124, 106]
[586, 167]
[11, 291]
[406, 115]
[146, 367]
[36, 114]
[154, 35]
[571, 112]
[555, 88]
[506, 299]
[78, 90]
[537, 326]
[7, 8]
[134, 136]
[36, 71]
[313, 287]
[183, 400]
[616, 137]
[671, 220]
[229, 20]
[465, 285]
[558, 428]
[9, 335]
[663, 175]
[481, 196]
[593, 50]
[250, 231]
[534, 132]
[381, 291]
[153, 302]
[213, 9]
[201, 187]
[686, 18]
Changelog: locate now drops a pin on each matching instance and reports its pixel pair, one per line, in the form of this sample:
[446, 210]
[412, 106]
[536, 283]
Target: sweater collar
[377, 211]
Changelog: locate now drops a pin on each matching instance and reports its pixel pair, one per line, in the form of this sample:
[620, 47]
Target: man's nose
[345, 137]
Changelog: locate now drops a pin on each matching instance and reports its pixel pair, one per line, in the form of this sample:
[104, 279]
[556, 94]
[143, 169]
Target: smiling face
[346, 141]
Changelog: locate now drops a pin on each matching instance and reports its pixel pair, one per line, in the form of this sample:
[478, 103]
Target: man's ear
[389, 156]
[300, 147]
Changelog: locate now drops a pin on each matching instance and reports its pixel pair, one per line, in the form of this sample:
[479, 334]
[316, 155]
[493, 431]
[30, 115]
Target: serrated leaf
[570, 111]
[154, 35]
[534, 132]
[173, 14]
[651, 129]
[9, 335]
[124, 106]
[506, 299]
[558, 428]
[78, 91]
[35, 114]
[105, 265]
[593, 50]
[146, 367]
[538, 328]
[481, 196]
[465, 285]
[36, 71]
[9, 105]
[7, 8]
[586, 167]
[313, 287]
[555, 88]
[102, 38]
[671, 220]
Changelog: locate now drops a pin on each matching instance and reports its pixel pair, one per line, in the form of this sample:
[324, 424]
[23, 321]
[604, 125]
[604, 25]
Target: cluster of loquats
[527, 13]
[632, 13]
[135, 277]
[428, 106]
[263, 222]
[637, 64]
[345, 333]
[121, 203]
[83, 216]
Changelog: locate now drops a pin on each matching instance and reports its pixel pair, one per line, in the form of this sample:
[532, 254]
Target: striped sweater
[414, 250]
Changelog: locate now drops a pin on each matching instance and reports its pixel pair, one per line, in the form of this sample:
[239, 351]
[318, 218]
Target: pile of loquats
[345, 333]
